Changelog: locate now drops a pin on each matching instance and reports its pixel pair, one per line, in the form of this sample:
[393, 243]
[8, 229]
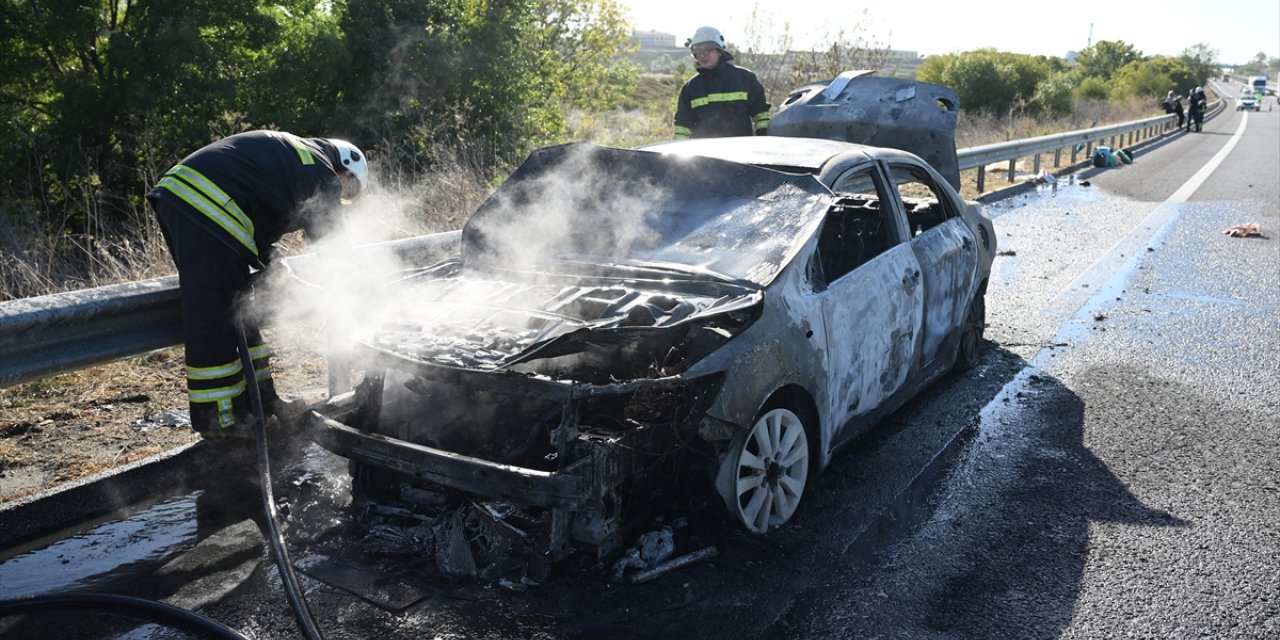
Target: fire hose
[278, 550]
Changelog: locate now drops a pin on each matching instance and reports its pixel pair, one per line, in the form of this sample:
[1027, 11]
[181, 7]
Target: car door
[944, 247]
[865, 281]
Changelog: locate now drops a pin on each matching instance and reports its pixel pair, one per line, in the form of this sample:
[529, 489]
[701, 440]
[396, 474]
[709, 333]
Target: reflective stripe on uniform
[214, 372]
[205, 196]
[214, 395]
[718, 97]
[762, 120]
[304, 152]
[261, 370]
[683, 132]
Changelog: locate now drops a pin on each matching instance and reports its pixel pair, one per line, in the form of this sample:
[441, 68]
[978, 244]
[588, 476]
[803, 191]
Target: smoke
[352, 284]
[581, 206]
[340, 287]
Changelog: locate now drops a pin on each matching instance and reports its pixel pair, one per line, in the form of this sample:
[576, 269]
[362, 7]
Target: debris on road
[674, 563]
[170, 418]
[651, 549]
[1243, 230]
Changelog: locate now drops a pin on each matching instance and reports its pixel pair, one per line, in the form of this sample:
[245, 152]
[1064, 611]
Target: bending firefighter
[722, 99]
[220, 210]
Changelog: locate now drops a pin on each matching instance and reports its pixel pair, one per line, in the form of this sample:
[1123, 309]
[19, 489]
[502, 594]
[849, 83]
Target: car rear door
[866, 286]
[945, 248]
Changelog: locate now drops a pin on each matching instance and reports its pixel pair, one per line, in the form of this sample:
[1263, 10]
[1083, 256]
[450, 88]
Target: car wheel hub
[763, 476]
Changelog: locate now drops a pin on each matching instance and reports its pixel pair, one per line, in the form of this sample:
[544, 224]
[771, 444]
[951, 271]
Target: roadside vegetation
[99, 99]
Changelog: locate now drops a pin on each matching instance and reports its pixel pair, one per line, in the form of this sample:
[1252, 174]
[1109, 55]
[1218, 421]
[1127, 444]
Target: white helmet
[353, 160]
[706, 34]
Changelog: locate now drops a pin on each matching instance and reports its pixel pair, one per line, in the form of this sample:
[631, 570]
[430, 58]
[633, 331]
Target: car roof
[809, 155]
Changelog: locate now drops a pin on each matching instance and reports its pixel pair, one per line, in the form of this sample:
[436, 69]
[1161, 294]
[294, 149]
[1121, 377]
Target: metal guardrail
[51, 334]
[61, 332]
[1075, 142]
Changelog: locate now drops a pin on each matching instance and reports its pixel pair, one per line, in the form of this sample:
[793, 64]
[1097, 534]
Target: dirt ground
[73, 426]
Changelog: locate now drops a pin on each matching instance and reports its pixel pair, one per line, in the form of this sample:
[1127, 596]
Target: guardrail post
[1057, 158]
[1013, 166]
[982, 178]
[1035, 165]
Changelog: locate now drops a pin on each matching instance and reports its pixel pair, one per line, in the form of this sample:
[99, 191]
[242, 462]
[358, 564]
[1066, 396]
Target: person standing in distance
[722, 99]
[221, 209]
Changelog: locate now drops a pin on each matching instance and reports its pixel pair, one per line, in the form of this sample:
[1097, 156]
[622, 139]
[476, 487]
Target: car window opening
[853, 234]
[924, 207]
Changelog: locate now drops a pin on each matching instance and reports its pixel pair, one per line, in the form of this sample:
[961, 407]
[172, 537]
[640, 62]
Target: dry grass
[34, 262]
[72, 426]
[978, 129]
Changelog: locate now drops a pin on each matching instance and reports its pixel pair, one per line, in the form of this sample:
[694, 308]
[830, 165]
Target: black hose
[141, 608]
[278, 551]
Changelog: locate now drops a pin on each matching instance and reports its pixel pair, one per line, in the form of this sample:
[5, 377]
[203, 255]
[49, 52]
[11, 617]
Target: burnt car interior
[855, 229]
[853, 233]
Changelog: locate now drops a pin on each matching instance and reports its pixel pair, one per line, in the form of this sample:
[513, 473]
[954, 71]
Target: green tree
[1105, 57]
[1053, 94]
[1202, 61]
[1153, 78]
[1141, 79]
[96, 96]
[95, 92]
[986, 79]
[492, 77]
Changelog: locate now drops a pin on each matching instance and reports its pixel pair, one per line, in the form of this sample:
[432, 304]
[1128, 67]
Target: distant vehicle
[1258, 84]
[1248, 101]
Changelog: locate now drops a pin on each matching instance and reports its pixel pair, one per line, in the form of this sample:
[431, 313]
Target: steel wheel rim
[772, 465]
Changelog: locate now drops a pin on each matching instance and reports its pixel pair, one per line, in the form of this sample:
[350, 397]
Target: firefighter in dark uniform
[722, 99]
[221, 209]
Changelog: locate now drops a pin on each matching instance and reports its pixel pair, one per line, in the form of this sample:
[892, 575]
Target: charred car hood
[585, 328]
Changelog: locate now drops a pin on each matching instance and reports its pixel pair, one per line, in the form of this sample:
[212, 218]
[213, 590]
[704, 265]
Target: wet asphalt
[1109, 470]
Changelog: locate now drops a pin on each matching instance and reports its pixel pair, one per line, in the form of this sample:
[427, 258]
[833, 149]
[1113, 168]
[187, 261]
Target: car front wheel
[762, 476]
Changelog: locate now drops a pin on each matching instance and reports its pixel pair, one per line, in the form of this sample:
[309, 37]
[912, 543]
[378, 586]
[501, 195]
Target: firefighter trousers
[213, 281]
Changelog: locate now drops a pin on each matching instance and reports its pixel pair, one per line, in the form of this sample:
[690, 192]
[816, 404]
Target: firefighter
[221, 209]
[722, 99]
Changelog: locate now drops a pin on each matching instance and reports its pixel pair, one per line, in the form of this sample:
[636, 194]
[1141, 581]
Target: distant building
[654, 39]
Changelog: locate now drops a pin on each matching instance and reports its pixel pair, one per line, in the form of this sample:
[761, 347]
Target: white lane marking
[1120, 262]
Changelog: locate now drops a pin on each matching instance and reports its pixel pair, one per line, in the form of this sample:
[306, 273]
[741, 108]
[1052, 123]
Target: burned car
[723, 311]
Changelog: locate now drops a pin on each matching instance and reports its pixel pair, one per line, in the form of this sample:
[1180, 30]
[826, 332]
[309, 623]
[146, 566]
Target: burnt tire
[969, 351]
[763, 474]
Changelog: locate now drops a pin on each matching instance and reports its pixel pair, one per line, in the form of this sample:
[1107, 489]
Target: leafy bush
[1053, 94]
[1092, 88]
[986, 79]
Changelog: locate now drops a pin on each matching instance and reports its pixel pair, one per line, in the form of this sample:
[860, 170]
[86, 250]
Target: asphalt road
[1109, 470]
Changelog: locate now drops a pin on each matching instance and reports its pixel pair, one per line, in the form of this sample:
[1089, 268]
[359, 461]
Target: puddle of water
[111, 548]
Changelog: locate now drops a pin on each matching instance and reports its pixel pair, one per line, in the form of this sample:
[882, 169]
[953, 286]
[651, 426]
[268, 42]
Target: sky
[1237, 29]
